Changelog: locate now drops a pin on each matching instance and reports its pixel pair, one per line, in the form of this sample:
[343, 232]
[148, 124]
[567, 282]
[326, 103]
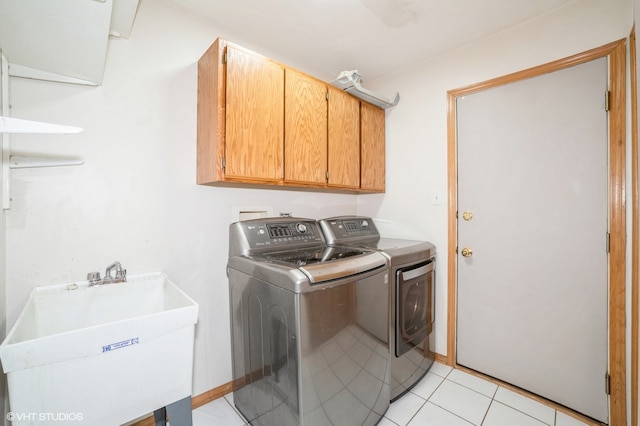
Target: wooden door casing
[616, 52]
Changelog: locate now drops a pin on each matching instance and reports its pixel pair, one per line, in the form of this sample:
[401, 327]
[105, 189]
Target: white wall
[417, 127]
[135, 199]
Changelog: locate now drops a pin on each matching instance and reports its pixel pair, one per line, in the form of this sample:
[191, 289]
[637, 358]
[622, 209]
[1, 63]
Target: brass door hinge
[224, 56]
[608, 242]
[223, 163]
[326, 175]
[607, 384]
[607, 100]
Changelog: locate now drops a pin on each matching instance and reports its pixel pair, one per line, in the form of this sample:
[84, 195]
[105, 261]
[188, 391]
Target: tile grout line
[487, 412]
[235, 410]
[434, 391]
[414, 414]
[527, 414]
[473, 390]
[425, 400]
[492, 398]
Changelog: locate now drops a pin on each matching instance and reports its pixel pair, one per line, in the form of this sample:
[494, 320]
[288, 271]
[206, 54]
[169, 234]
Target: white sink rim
[91, 340]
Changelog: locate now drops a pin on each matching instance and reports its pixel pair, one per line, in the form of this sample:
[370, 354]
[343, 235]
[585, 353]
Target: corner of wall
[4, 403]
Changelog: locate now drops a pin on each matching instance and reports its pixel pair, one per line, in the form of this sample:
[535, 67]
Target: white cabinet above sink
[62, 40]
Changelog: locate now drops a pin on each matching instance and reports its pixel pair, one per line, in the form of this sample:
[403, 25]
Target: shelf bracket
[10, 125]
[24, 162]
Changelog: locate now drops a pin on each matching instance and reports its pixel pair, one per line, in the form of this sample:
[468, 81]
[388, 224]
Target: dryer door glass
[414, 310]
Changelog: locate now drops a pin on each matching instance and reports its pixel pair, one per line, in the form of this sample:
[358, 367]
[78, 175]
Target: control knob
[301, 228]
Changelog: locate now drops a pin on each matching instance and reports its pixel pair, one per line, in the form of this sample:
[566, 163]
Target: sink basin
[107, 353]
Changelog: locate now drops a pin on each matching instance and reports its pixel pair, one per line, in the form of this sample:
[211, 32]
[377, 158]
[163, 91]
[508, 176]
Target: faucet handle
[121, 274]
[93, 277]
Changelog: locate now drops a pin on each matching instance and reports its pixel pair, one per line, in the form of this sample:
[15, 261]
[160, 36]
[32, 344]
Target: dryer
[411, 295]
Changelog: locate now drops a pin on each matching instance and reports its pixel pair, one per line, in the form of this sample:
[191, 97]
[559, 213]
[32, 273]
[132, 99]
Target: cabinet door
[344, 139]
[254, 117]
[305, 142]
[372, 151]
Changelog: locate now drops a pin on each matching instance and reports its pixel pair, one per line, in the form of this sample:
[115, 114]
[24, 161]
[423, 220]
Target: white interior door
[532, 294]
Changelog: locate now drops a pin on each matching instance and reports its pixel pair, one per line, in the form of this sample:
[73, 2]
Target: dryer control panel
[349, 229]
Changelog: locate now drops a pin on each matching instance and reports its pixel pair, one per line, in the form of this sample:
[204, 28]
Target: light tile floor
[444, 397]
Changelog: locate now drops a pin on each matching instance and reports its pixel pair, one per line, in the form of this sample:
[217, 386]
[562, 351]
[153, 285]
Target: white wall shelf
[10, 125]
[16, 125]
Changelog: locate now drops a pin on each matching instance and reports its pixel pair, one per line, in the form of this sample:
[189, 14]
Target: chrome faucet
[121, 275]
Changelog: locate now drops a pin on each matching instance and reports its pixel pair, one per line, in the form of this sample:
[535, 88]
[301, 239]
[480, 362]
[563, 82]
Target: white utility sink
[103, 354]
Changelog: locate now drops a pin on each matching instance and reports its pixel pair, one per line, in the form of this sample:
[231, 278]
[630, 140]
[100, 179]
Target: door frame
[616, 53]
[635, 223]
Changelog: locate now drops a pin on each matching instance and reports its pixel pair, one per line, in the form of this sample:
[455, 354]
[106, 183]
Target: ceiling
[375, 37]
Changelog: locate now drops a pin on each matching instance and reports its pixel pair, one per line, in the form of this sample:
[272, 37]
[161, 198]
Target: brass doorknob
[466, 252]
[467, 215]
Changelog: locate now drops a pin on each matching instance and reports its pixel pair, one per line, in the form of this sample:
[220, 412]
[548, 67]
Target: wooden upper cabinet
[211, 116]
[254, 117]
[240, 116]
[344, 139]
[305, 143]
[372, 148]
[263, 124]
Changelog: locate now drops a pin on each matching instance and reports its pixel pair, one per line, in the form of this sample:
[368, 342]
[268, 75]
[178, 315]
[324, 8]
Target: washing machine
[309, 326]
[411, 293]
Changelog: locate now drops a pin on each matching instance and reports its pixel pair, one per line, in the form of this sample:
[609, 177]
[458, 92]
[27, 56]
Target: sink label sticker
[119, 345]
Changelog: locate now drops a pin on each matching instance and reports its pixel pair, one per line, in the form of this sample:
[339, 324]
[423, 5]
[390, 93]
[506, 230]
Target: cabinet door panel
[344, 139]
[254, 117]
[373, 154]
[305, 143]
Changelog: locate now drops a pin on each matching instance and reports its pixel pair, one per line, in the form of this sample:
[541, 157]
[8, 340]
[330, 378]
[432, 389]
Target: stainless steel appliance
[412, 281]
[309, 326]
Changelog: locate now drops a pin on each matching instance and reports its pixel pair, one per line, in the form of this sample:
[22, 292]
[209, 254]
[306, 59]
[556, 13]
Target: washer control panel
[298, 230]
[278, 232]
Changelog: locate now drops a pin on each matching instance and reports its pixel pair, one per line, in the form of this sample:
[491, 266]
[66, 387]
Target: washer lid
[327, 263]
[314, 255]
